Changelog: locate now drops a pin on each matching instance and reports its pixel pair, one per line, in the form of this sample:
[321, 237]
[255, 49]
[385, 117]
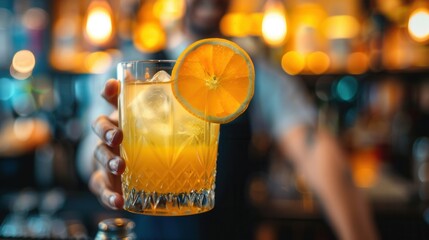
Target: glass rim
[151, 61]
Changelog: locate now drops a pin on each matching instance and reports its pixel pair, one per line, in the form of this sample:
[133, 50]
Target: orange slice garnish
[214, 80]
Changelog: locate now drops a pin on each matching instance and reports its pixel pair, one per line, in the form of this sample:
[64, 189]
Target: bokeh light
[274, 27]
[35, 19]
[318, 62]
[23, 63]
[234, 24]
[98, 62]
[365, 165]
[346, 88]
[241, 24]
[23, 104]
[23, 128]
[255, 22]
[19, 75]
[169, 10]
[308, 14]
[293, 62]
[341, 26]
[150, 37]
[99, 25]
[357, 63]
[418, 25]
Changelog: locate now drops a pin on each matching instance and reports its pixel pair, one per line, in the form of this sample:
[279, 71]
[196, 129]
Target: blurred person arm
[317, 155]
[281, 108]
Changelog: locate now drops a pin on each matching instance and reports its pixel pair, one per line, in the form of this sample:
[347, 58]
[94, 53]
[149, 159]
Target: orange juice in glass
[170, 154]
[170, 113]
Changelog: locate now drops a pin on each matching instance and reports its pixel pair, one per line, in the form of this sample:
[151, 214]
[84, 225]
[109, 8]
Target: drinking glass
[170, 154]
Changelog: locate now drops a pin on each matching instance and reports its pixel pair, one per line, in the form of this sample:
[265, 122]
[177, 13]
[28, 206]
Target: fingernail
[112, 201]
[110, 135]
[113, 165]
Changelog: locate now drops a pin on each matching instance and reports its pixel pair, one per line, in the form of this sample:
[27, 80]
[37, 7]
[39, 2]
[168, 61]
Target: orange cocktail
[170, 154]
[170, 113]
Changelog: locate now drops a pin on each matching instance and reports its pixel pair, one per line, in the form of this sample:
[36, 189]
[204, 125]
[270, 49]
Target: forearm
[319, 158]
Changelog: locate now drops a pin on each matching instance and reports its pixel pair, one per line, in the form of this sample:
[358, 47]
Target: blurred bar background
[365, 64]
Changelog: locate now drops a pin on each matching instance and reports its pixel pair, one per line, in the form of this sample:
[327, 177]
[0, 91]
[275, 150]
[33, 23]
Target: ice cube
[160, 76]
[152, 104]
[158, 101]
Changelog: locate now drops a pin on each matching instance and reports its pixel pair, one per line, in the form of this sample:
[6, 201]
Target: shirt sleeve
[279, 103]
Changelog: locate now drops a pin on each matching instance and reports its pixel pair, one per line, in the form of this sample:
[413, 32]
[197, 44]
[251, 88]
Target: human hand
[105, 181]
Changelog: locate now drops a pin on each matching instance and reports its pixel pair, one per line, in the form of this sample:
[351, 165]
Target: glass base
[168, 204]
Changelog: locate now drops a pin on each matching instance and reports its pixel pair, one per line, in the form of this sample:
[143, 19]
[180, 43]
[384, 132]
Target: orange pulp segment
[214, 80]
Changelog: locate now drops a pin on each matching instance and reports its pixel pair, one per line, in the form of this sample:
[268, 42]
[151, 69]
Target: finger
[111, 92]
[109, 159]
[113, 117]
[111, 199]
[106, 196]
[107, 131]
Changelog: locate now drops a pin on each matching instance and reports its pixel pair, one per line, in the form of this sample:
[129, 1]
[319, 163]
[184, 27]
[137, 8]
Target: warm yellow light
[65, 59]
[293, 62]
[274, 27]
[308, 14]
[365, 165]
[150, 37]
[318, 62]
[365, 177]
[99, 25]
[98, 62]
[23, 128]
[357, 63]
[255, 24]
[234, 24]
[23, 63]
[19, 75]
[418, 25]
[241, 24]
[341, 26]
[169, 10]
